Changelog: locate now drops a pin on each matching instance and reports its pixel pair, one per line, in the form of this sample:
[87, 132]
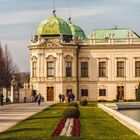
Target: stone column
[12, 94]
[74, 66]
[57, 69]
[61, 65]
[39, 66]
[4, 91]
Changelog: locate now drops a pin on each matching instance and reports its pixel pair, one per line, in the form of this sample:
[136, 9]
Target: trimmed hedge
[83, 102]
[71, 112]
[73, 104]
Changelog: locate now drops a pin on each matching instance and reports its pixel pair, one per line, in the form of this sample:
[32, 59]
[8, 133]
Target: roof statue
[54, 12]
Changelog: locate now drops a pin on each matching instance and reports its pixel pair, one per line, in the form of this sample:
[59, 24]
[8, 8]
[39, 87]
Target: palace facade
[103, 66]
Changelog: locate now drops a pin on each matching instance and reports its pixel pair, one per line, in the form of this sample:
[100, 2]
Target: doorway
[50, 93]
[120, 93]
[68, 91]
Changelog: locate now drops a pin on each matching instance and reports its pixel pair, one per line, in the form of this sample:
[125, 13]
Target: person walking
[60, 97]
[63, 98]
[39, 99]
[69, 97]
[72, 97]
[1, 99]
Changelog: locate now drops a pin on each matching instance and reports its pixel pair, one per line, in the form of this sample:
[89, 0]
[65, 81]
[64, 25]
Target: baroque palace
[105, 65]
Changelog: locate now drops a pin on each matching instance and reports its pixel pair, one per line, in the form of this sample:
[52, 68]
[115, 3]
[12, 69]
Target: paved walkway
[14, 113]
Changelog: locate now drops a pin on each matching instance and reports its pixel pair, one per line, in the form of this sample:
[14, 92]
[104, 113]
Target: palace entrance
[68, 91]
[120, 93]
[50, 93]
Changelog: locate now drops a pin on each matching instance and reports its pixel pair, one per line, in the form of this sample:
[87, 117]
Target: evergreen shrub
[83, 102]
[73, 104]
[71, 112]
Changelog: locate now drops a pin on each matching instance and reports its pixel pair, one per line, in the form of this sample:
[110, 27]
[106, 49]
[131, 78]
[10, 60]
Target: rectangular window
[102, 69]
[50, 69]
[137, 68]
[84, 92]
[68, 69]
[102, 92]
[84, 69]
[120, 69]
[34, 69]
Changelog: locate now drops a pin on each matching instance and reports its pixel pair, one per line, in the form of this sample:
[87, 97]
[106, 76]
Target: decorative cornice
[100, 58]
[99, 47]
[120, 57]
[84, 58]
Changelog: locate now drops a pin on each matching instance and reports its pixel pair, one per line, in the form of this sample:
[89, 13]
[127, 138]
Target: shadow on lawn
[10, 138]
[20, 130]
[42, 118]
[98, 117]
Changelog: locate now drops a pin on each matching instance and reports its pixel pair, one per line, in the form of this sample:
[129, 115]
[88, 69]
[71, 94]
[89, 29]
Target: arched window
[50, 66]
[102, 90]
[84, 90]
[68, 66]
[34, 67]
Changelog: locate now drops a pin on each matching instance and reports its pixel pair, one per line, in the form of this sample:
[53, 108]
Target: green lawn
[95, 125]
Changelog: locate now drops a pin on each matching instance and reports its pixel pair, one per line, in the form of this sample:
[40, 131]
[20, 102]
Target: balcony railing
[109, 41]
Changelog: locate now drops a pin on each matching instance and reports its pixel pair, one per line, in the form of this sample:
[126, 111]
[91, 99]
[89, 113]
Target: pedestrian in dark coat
[1, 99]
[39, 97]
[60, 97]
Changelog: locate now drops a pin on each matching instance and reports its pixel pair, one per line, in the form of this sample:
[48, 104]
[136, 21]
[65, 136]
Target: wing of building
[103, 66]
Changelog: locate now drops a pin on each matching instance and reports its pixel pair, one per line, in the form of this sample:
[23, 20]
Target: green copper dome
[76, 30]
[54, 26]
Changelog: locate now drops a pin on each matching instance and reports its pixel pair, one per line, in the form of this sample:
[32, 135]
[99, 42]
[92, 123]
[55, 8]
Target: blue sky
[20, 18]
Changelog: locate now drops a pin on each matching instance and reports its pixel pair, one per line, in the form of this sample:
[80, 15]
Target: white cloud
[77, 12]
[104, 14]
[135, 1]
[21, 17]
[38, 15]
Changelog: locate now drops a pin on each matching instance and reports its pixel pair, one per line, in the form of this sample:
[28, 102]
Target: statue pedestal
[12, 94]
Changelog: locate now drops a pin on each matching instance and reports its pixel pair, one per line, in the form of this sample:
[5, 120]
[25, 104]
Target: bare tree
[23, 78]
[2, 67]
[7, 68]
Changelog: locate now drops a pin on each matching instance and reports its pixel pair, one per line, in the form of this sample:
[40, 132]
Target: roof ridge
[114, 29]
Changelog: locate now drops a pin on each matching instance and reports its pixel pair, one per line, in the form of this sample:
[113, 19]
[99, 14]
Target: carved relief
[34, 59]
[53, 43]
[68, 58]
[50, 58]
[102, 87]
[84, 87]
[103, 59]
[34, 55]
[68, 50]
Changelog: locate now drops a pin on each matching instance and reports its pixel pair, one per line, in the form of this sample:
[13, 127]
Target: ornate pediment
[54, 43]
